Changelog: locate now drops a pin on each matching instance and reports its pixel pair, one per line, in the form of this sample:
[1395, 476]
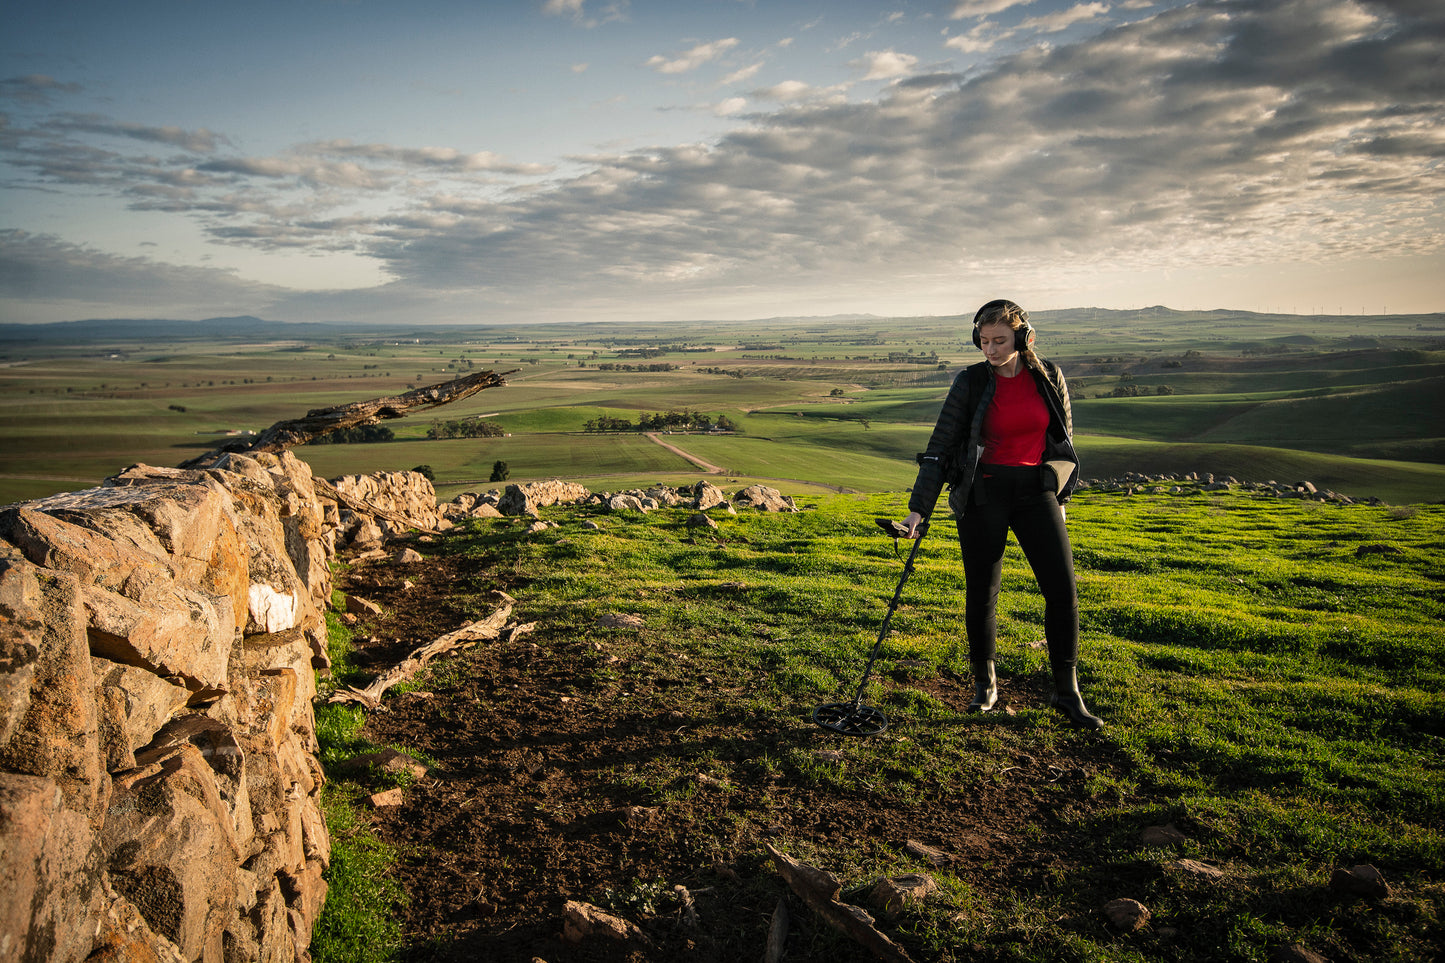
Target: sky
[459, 161]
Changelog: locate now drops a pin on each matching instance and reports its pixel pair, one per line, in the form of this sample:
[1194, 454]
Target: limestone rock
[583, 920]
[620, 620]
[172, 850]
[894, 893]
[1127, 914]
[406, 494]
[157, 778]
[1362, 880]
[625, 503]
[526, 499]
[706, 495]
[133, 704]
[764, 498]
[1195, 868]
[51, 865]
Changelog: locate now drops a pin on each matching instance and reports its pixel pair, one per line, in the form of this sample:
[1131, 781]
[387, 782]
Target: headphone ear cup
[1023, 337]
[977, 341]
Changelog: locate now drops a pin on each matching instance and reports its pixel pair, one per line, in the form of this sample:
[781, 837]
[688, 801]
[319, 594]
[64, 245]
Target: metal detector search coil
[854, 718]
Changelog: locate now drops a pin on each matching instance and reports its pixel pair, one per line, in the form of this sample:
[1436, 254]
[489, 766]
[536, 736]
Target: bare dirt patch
[551, 785]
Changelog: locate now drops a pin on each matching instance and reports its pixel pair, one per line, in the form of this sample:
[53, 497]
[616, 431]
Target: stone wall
[159, 642]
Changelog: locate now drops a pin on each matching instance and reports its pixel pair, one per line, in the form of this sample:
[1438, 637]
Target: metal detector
[854, 718]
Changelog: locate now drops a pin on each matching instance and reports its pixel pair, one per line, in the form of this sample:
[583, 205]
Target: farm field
[1355, 405]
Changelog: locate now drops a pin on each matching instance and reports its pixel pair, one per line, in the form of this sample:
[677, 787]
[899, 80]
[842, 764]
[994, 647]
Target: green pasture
[1365, 416]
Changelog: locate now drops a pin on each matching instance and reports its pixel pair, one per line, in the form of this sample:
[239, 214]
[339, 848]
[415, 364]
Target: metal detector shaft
[887, 618]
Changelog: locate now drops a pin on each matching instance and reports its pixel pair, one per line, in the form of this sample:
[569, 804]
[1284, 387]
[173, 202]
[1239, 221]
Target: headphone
[1023, 334]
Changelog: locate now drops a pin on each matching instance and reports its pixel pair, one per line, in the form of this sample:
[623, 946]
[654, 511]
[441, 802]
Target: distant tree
[360, 435]
[835, 393]
[1164, 390]
[500, 471]
[425, 470]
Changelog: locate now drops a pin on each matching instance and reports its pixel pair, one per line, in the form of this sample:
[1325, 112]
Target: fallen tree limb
[489, 628]
[820, 891]
[323, 421]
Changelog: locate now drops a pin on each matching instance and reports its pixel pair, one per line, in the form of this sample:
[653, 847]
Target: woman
[1004, 444]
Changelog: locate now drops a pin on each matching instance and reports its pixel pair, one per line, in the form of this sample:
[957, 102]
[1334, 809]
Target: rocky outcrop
[522, 500]
[159, 643]
[373, 508]
[1193, 483]
[526, 499]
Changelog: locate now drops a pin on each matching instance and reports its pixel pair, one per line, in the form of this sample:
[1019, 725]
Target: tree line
[465, 428]
[671, 421]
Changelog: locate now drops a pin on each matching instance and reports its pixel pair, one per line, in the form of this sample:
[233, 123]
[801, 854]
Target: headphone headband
[1023, 334]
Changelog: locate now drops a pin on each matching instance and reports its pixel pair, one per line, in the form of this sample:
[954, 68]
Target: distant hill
[130, 329]
[1160, 321]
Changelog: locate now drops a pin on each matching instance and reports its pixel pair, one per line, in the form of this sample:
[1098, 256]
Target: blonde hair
[1015, 318]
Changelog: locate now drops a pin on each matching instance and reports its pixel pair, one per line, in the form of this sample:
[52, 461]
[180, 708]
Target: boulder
[51, 872]
[706, 495]
[171, 850]
[764, 499]
[625, 503]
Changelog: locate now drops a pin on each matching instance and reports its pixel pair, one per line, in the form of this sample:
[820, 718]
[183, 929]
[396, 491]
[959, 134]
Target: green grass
[357, 922]
[1271, 674]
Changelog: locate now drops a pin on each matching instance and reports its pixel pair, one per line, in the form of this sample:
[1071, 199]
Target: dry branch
[820, 891]
[777, 934]
[322, 421]
[469, 634]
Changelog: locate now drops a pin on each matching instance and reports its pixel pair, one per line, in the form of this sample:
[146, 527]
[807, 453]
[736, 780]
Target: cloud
[1239, 134]
[575, 10]
[34, 88]
[43, 268]
[692, 59]
[1147, 142]
[796, 91]
[982, 38]
[427, 157]
[199, 141]
[1064, 19]
[742, 73]
[967, 9]
[885, 64]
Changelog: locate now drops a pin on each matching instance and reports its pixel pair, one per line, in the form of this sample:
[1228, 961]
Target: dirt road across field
[710, 469]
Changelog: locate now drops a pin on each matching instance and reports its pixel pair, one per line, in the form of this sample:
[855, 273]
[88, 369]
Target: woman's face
[997, 341]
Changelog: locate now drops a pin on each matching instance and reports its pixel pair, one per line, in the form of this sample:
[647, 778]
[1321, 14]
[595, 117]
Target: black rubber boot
[1066, 697]
[985, 686]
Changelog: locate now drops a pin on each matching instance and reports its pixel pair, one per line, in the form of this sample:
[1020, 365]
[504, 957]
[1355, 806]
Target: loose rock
[1127, 914]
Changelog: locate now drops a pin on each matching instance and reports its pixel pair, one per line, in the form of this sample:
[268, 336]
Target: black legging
[1017, 503]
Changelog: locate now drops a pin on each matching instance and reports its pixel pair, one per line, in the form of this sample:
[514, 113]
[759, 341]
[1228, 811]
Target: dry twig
[820, 891]
[489, 628]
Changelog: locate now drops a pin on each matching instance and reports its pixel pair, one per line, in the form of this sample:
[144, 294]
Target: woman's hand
[911, 523]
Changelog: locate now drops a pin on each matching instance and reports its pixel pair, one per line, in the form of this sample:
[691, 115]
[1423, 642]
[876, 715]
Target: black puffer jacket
[956, 444]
